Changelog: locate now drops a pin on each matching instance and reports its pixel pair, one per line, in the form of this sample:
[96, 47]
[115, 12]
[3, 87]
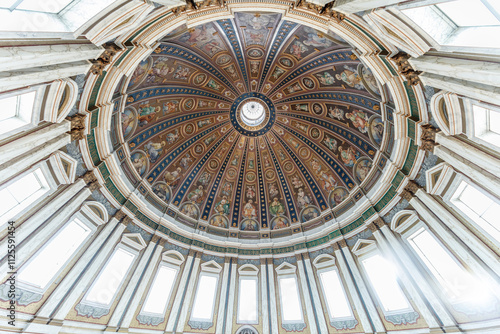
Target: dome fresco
[182, 123]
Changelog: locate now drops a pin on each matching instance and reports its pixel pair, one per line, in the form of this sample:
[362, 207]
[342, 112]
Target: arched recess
[447, 111]
[95, 211]
[61, 98]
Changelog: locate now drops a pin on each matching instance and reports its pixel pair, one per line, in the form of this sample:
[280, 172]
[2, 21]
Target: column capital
[372, 227]
[342, 243]
[428, 137]
[335, 246]
[379, 222]
[120, 214]
[77, 121]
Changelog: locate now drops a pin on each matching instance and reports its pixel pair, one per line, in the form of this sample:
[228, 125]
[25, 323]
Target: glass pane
[205, 296]
[8, 107]
[160, 290]
[25, 187]
[46, 263]
[247, 308]
[7, 3]
[474, 199]
[290, 300]
[468, 13]
[46, 6]
[8, 201]
[110, 277]
[494, 121]
[334, 294]
[383, 278]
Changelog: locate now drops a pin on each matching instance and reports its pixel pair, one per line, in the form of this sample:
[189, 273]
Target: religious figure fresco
[249, 210]
[348, 155]
[309, 213]
[257, 27]
[172, 178]
[219, 221]
[222, 206]
[190, 210]
[337, 196]
[279, 222]
[162, 190]
[129, 122]
[154, 150]
[197, 195]
[249, 225]
[351, 77]
[376, 129]
[362, 169]
[276, 207]
[303, 199]
[139, 162]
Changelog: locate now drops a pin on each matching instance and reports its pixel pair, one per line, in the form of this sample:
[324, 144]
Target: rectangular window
[384, 281]
[290, 299]
[110, 277]
[21, 193]
[204, 302]
[487, 124]
[456, 282]
[248, 300]
[470, 13]
[336, 299]
[159, 294]
[16, 111]
[479, 207]
[47, 262]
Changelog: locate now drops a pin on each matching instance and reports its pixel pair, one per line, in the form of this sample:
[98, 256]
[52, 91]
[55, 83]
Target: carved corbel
[405, 68]
[372, 227]
[98, 65]
[77, 121]
[77, 134]
[428, 137]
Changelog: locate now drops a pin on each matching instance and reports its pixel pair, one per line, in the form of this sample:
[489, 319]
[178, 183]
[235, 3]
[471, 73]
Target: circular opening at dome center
[253, 113]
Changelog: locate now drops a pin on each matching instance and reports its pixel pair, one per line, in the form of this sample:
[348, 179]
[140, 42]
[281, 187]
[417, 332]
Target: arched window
[338, 306]
[154, 306]
[27, 189]
[248, 295]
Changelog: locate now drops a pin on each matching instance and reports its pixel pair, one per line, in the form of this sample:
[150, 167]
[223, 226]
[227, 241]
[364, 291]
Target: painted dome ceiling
[252, 127]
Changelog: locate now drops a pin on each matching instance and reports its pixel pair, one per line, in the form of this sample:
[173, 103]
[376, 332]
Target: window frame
[327, 266]
[167, 261]
[244, 274]
[287, 270]
[83, 219]
[49, 180]
[371, 251]
[126, 248]
[35, 116]
[471, 121]
[462, 209]
[214, 301]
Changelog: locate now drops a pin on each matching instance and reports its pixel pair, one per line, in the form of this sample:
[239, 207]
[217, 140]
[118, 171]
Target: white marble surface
[176, 306]
[471, 70]
[31, 76]
[131, 285]
[354, 6]
[22, 57]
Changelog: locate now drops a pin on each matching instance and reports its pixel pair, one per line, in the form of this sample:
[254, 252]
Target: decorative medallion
[270, 175]
[188, 128]
[255, 53]
[250, 176]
